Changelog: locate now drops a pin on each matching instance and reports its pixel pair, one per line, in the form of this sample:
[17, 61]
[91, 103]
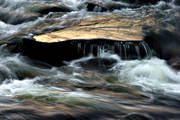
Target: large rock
[110, 33]
[106, 27]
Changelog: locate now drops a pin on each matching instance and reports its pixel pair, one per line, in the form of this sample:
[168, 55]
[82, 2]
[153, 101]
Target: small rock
[174, 63]
[138, 116]
[45, 8]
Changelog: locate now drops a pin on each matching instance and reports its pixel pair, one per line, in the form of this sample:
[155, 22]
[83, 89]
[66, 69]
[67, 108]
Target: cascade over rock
[57, 52]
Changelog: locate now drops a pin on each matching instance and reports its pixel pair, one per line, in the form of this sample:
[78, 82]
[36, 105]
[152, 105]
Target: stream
[103, 87]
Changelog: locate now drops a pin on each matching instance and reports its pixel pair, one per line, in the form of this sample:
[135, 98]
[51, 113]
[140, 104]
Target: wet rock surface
[107, 27]
[53, 77]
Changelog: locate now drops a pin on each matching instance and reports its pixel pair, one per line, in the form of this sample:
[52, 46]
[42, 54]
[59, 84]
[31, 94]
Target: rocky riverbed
[89, 60]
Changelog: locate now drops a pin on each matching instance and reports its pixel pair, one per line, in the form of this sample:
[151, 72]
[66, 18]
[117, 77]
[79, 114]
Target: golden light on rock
[107, 27]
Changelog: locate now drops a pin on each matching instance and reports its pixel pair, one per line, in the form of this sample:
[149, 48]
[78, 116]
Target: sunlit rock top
[108, 27]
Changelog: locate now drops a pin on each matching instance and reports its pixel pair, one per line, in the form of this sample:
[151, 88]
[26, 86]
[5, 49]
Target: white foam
[7, 29]
[74, 4]
[29, 87]
[152, 75]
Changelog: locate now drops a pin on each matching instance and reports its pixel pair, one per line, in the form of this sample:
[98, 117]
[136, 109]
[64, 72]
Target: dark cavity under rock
[56, 53]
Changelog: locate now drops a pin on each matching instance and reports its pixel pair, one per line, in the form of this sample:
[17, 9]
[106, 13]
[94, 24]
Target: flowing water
[103, 87]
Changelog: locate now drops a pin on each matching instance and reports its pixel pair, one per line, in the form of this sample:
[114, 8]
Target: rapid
[103, 87]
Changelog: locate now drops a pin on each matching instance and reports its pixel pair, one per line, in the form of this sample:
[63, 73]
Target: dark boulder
[164, 43]
[177, 2]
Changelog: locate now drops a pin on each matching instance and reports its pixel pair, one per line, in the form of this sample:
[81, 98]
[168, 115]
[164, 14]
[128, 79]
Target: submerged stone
[47, 7]
[138, 116]
[99, 64]
[14, 17]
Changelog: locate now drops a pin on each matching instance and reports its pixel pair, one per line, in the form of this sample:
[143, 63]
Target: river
[85, 88]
